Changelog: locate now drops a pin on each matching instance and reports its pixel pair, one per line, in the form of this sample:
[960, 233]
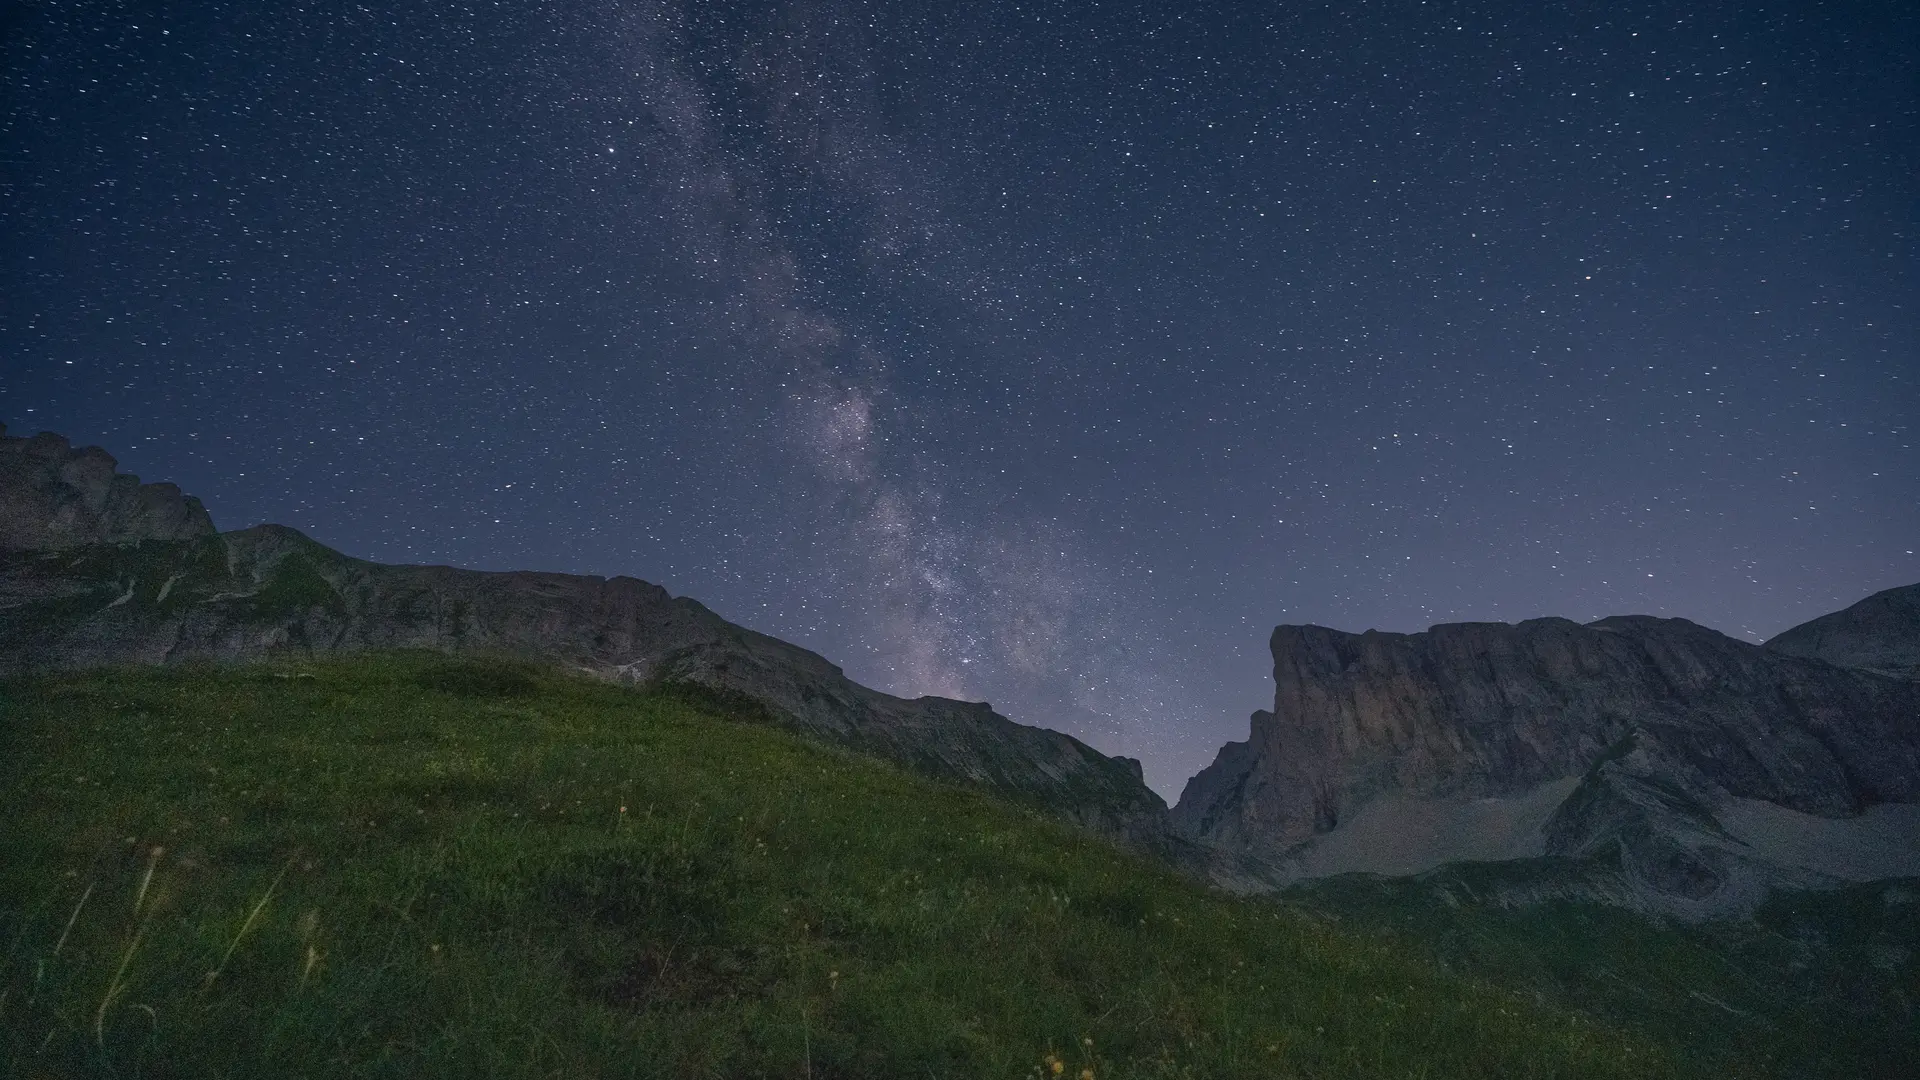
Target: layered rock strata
[1628, 741]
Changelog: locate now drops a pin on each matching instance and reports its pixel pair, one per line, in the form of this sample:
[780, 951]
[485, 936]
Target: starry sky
[1045, 353]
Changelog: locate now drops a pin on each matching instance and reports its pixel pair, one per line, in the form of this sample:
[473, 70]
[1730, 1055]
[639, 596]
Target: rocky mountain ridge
[1880, 634]
[98, 568]
[1669, 766]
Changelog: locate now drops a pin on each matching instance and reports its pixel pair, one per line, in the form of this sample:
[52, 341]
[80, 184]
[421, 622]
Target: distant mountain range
[1647, 762]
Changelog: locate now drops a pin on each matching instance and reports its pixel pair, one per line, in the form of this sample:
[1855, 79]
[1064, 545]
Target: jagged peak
[54, 496]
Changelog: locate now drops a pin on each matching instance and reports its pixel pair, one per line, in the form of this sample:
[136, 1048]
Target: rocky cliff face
[53, 496]
[1634, 741]
[1880, 634]
[96, 568]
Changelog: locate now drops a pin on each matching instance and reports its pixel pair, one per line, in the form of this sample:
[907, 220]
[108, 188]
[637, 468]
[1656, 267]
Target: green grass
[402, 865]
[295, 586]
[1817, 984]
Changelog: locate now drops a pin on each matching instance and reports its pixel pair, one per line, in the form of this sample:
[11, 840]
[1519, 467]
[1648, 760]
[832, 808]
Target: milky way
[1047, 354]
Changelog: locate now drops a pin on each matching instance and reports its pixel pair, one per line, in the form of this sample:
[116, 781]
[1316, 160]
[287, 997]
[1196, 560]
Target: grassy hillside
[1817, 984]
[403, 865]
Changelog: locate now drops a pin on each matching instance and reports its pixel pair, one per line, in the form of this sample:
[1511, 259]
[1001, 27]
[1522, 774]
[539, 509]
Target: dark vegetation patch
[444, 786]
[718, 701]
[476, 678]
[296, 587]
[1128, 905]
[655, 931]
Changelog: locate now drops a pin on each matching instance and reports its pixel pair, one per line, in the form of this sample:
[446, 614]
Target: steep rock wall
[53, 496]
[1660, 721]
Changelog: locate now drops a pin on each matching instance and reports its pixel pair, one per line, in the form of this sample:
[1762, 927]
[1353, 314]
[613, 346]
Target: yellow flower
[1086, 1074]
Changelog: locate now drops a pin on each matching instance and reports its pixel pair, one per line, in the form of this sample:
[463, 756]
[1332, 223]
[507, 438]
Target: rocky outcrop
[1621, 740]
[1880, 634]
[53, 496]
[102, 570]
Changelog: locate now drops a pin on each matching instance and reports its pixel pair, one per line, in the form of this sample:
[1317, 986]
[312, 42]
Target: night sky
[1041, 353]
